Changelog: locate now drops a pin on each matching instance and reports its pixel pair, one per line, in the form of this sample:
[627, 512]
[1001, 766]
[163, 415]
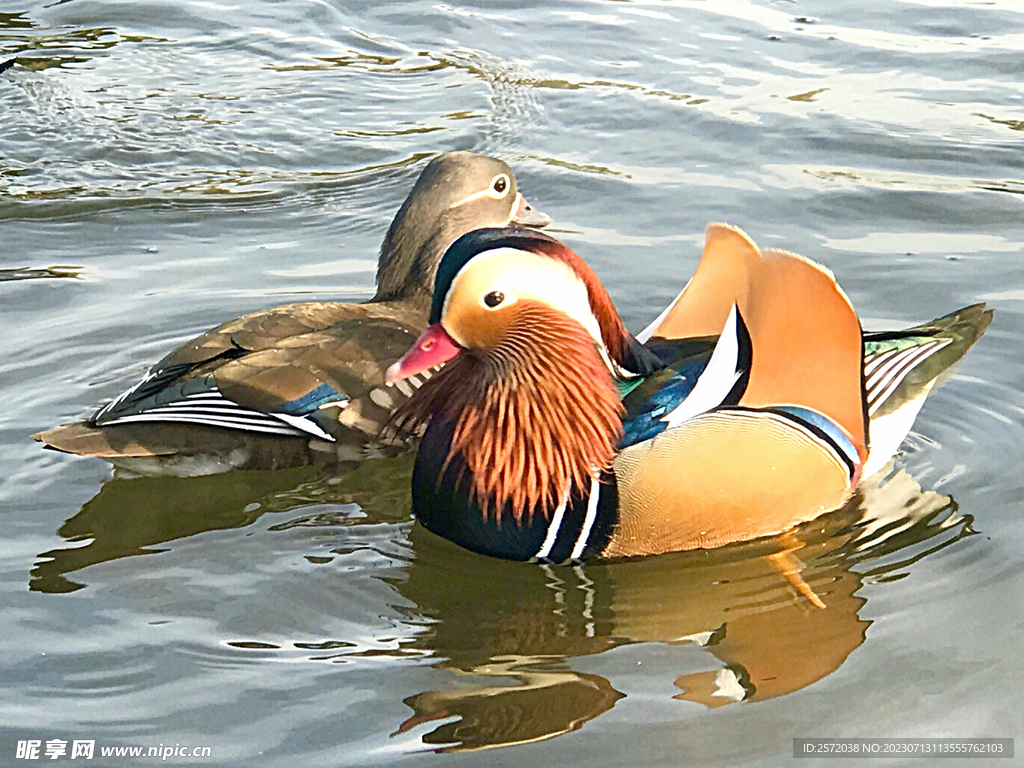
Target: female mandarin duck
[756, 403]
[255, 391]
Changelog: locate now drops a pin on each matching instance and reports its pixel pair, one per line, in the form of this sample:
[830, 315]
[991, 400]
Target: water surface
[166, 165]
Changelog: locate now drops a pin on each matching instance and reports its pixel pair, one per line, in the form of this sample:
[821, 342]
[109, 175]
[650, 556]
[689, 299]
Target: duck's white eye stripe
[497, 189]
[524, 275]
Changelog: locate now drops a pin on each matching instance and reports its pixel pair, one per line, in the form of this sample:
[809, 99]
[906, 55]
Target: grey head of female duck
[456, 193]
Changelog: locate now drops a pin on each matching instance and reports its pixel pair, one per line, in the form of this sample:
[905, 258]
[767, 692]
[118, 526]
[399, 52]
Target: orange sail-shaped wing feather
[806, 339]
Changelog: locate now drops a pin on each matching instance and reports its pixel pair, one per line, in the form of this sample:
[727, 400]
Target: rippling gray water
[166, 165]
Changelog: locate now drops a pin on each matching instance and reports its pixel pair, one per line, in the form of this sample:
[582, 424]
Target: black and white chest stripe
[724, 379]
[580, 529]
[444, 501]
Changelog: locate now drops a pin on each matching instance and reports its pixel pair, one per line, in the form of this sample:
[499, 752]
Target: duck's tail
[175, 449]
[84, 440]
[902, 367]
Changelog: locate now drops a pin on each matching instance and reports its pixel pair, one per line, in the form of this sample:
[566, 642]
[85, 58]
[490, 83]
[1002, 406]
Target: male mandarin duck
[265, 389]
[755, 404]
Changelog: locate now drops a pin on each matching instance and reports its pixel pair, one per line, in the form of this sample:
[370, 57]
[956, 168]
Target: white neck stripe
[588, 521]
[549, 540]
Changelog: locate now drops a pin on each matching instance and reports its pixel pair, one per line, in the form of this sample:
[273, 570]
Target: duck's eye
[494, 298]
[500, 184]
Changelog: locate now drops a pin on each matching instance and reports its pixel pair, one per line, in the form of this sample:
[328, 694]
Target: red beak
[432, 348]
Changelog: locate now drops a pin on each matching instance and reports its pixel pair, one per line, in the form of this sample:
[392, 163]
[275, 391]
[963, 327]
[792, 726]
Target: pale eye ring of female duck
[493, 299]
[500, 186]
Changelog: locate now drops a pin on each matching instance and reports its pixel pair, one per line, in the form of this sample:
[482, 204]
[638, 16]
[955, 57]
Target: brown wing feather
[166, 440]
[291, 350]
[350, 356]
[271, 327]
[105, 442]
[806, 339]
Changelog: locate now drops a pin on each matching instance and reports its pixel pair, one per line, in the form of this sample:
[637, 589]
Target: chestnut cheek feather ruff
[535, 418]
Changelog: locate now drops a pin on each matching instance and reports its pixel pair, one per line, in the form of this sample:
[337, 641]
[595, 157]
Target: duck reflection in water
[773, 616]
[751, 622]
[135, 515]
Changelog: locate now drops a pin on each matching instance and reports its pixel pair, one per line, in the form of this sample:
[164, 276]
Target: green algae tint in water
[165, 166]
